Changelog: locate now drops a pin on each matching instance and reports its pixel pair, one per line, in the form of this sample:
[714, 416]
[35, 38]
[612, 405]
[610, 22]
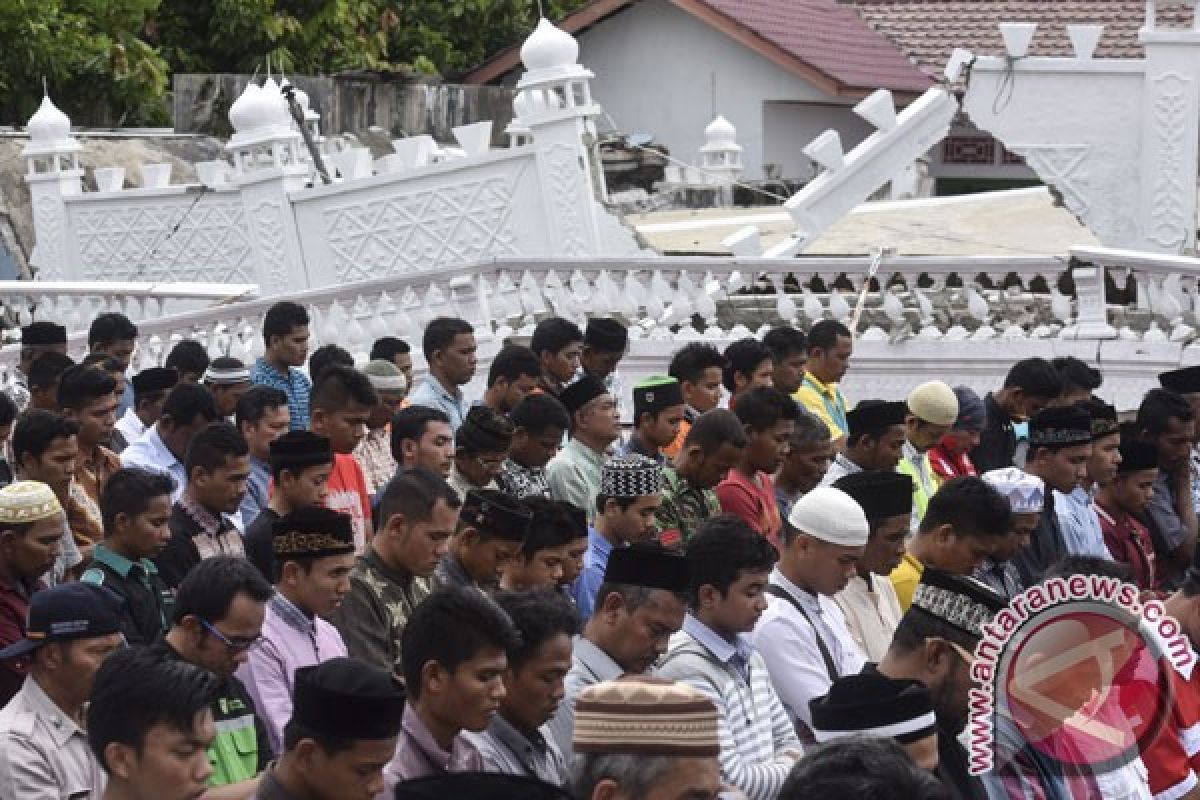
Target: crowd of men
[307, 579]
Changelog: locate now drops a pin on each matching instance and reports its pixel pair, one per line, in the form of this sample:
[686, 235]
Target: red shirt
[1172, 760]
[947, 465]
[14, 610]
[348, 494]
[1129, 542]
[754, 503]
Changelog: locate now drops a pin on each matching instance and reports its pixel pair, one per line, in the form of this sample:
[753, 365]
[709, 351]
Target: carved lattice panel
[416, 231]
[134, 242]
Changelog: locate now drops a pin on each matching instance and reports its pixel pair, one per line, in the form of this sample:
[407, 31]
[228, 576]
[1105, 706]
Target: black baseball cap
[69, 611]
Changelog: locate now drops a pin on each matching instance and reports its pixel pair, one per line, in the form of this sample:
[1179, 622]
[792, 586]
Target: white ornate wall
[269, 220]
[1117, 138]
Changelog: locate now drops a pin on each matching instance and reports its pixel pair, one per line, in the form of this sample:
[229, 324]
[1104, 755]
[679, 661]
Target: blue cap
[69, 611]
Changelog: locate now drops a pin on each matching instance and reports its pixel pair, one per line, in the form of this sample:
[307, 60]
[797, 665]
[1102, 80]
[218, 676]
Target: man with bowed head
[314, 553]
[449, 347]
[575, 473]
[802, 635]
[31, 533]
[341, 734]
[638, 737]
[639, 606]
[43, 748]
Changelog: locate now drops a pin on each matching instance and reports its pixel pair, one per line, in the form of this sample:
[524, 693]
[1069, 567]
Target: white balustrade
[918, 323]
[75, 304]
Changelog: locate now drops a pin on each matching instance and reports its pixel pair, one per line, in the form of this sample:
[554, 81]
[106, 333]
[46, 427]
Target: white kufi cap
[832, 516]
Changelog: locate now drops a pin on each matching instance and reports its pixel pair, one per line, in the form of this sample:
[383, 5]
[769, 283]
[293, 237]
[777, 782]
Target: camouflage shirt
[372, 616]
[683, 508]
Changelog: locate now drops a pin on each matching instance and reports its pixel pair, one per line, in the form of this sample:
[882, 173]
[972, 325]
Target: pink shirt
[291, 639]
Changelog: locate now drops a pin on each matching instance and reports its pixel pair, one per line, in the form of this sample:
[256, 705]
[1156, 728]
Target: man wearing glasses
[219, 611]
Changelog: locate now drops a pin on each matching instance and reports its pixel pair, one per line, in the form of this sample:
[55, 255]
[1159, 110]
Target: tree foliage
[92, 56]
[108, 62]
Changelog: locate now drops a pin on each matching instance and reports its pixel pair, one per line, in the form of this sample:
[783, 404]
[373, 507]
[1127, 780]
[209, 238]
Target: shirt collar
[596, 541]
[828, 389]
[415, 728]
[810, 601]
[61, 727]
[515, 740]
[588, 655]
[399, 577]
[715, 643]
[156, 442]
[845, 463]
[205, 519]
[441, 391]
[270, 368]
[120, 564]
[597, 457]
[291, 614]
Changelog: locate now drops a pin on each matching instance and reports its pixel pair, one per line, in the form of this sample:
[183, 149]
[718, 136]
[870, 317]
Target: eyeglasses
[235, 645]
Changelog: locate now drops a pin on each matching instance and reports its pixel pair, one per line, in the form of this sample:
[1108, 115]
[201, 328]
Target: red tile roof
[830, 37]
[823, 41]
[929, 30]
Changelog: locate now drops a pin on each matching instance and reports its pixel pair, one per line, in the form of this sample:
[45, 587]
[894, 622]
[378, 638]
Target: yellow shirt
[905, 579]
[824, 401]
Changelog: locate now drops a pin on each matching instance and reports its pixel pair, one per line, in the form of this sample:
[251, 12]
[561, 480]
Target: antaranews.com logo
[1078, 668]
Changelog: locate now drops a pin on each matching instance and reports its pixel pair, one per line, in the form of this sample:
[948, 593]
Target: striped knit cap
[644, 716]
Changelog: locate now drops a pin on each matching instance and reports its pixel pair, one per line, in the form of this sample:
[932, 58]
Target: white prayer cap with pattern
[27, 501]
[1026, 494]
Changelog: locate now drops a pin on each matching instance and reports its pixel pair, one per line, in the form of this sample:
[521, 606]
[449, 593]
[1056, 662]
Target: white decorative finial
[549, 47]
[720, 131]
[48, 126]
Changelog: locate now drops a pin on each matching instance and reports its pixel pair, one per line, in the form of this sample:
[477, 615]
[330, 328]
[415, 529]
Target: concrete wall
[658, 69]
[788, 127]
[352, 103]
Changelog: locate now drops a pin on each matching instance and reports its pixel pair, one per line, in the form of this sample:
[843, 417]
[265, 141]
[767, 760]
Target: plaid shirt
[295, 385]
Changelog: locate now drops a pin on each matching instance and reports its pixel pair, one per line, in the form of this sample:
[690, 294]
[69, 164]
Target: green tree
[91, 55]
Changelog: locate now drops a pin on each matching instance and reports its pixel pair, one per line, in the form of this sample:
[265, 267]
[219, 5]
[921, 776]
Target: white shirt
[149, 452]
[872, 613]
[44, 755]
[788, 643]
[131, 427]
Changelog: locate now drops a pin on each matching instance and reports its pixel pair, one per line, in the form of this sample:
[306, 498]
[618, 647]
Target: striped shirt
[758, 743]
[295, 384]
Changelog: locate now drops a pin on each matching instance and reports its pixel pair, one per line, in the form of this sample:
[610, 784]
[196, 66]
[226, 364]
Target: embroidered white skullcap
[27, 501]
[832, 516]
[385, 376]
[1026, 494]
[934, 402]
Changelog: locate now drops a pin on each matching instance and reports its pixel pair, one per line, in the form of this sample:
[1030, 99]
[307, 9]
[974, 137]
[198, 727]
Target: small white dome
[720, 131]
[246, 112]
[549, 47]
[48, 125]
[280, 115]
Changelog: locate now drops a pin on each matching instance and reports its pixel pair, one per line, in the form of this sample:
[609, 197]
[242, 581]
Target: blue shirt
[295, 385]
[737, 652]
[126, 403]
[1079, 524]
[587, 585]
[431, 394]
[256, 491]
